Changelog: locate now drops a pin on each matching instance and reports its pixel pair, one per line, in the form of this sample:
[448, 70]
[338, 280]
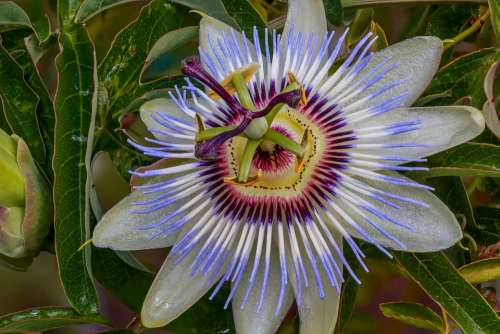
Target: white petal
[440, 128]
[152, 108]
[418, 59]
[119, 229]
[317, 315]
[215, 31]
[173, 291]
[247, 320]
[434, 228]
[306, 17]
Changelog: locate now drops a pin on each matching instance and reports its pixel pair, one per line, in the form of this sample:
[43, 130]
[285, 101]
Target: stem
[284, 142]
[246, 159]
[446, 328]
[467, 32]
[212, 132]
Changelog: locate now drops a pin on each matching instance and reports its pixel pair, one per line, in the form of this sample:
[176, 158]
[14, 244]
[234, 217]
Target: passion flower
[268, 169]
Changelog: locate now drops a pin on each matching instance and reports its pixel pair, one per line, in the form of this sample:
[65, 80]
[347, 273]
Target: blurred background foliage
[138, 48]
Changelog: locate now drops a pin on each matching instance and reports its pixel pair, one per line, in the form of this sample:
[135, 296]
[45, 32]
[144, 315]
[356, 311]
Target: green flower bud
[25, 200]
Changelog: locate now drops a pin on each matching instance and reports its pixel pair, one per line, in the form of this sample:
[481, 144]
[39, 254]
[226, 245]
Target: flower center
[272, 158]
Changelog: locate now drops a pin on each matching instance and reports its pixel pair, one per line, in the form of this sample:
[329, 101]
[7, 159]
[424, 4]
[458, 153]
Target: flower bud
[25, 200]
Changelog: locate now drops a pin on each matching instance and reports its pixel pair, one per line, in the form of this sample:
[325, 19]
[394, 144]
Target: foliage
[67, 104]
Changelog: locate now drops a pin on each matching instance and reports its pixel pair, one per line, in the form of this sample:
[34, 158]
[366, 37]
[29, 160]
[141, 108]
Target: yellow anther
[306, 142]
[247, 72]
[251, 180]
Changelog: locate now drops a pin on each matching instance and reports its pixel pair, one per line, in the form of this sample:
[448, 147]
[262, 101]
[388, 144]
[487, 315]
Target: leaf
[124, 282]
[334, 12]
[120, 71]
[19, 103]
[239, 14]
[20, 48]
[347, 303]
[91, 8]
[213, 8]
[164, 59]
[413, 314]
[12, 16]
[495, 16]
[447, 21]
[73, 108]
[21, 264]
[451, 190]
[481, 271]
[435, 274]
[489, 220]
[46, 318]
[245, 15]
[470, 159]
[464, 77]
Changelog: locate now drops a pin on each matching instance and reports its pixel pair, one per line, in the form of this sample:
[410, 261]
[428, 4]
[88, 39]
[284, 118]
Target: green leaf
[12, 16]
[413, 314]
[21, 264]
[347, 303]
[21, 49]
[124, 282]
[475, 159]
[245, 15]
[73, 107]
[213, 8]
[489, 220]
[334, 12]
[495, 16]
[437, 276]
[452, 192]
[164, 59]
[120, 71]
[481, 271]
[91, 8]
[20, 103]
[206, 316]
[46, 318]
[239, 14]
[464, 77]
[447, 21]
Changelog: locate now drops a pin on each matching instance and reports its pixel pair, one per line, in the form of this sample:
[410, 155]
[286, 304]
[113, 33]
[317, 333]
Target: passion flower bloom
[268, 168]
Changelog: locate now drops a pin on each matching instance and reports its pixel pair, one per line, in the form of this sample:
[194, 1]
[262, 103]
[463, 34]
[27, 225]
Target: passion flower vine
[269, 167]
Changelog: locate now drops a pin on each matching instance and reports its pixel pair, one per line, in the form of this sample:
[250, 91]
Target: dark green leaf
[206, 317]
[120, 71]
[347, 303]
[437, 276]
[464, 77]
[495, 16]
[489, 220]
[91, 8]
[451, 191]
[476, 159]
[213, 8]
[416, 315]
[46, 318]
[20, 47]
[244, 14]
[448, 21]
[482, 271]
[164, 59]
[334, 12]
[20, 104]
[12, 16]
[16, 264]
[73, 108]
[124, 282]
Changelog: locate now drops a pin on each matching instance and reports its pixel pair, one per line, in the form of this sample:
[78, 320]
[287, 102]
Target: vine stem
[467, 32]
